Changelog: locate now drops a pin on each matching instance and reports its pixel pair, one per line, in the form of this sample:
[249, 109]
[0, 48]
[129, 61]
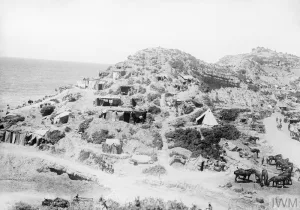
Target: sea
[23, 79]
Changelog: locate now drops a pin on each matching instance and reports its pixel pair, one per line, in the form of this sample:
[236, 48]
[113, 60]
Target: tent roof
[186, 77]
[209, 118]
[63, 114]
[109, 97]
[40, 132]
[113, 141]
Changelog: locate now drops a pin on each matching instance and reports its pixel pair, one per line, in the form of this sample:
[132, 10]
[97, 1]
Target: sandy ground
[128, 182]
[182, 185]
[281, 141]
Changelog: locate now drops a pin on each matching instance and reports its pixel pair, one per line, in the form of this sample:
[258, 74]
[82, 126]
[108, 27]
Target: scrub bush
[47, 110]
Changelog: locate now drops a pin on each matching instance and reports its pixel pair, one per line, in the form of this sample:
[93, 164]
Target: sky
[108, 31]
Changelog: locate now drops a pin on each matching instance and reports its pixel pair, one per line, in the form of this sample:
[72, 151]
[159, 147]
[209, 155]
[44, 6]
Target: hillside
[146, 126]
[175, 63]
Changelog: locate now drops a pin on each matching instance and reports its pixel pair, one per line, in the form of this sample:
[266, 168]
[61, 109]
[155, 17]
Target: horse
[288, 175]
[277, 179]
[244, 173]
[279, 126]
[255, 150]
[275, 158]
[264, 177]
[257, 176]
[287, 166]
[281, 162]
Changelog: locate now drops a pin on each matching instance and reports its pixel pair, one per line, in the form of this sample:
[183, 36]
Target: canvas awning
[109, 97]
[113, 141]
[40, 132]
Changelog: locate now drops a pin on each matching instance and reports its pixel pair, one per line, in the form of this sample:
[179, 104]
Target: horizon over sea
[22, 79]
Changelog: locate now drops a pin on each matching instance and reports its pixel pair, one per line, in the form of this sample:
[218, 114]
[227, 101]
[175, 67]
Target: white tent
[207, 118]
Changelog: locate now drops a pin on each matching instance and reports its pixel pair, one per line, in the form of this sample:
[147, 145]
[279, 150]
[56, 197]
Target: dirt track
[188, 187]
[281, 141]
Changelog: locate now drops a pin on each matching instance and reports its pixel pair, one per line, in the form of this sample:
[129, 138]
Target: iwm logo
[284, 202]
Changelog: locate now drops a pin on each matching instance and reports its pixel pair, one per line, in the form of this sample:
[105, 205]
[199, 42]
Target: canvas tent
[207, 118]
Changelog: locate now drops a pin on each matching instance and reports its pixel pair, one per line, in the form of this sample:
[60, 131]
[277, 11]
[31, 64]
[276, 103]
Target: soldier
[137, 202]
[76, 198]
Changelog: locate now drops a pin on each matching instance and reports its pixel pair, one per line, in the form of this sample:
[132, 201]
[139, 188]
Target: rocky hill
[176, 63]
[261, 57]
[134, 131]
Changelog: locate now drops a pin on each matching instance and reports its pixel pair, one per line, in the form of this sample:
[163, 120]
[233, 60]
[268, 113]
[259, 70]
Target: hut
[113, 146]
[103, 74]
[62, 118]
[161, 77]
[108, 101]
[187, 78]
[125, 89]
[282, 107]
[116, 74]
[100, 85]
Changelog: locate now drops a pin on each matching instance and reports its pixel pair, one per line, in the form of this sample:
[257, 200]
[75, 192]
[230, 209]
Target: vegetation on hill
[231, 114]
[47, 110]
[208, 147]
[84, 125]
[99, 137]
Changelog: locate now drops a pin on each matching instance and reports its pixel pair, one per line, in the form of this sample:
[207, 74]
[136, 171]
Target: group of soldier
[104, 166]
[279, 122]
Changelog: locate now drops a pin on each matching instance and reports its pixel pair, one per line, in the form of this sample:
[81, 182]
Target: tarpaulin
[32, 139]
[17, 141]
[127, 117]
[7, 136]
[13, 139]
[113, 116]
[22, 139]
[119, 115]
[2, 135]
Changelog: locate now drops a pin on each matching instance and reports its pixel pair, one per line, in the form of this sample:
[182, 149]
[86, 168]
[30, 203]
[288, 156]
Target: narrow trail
[281, 141]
